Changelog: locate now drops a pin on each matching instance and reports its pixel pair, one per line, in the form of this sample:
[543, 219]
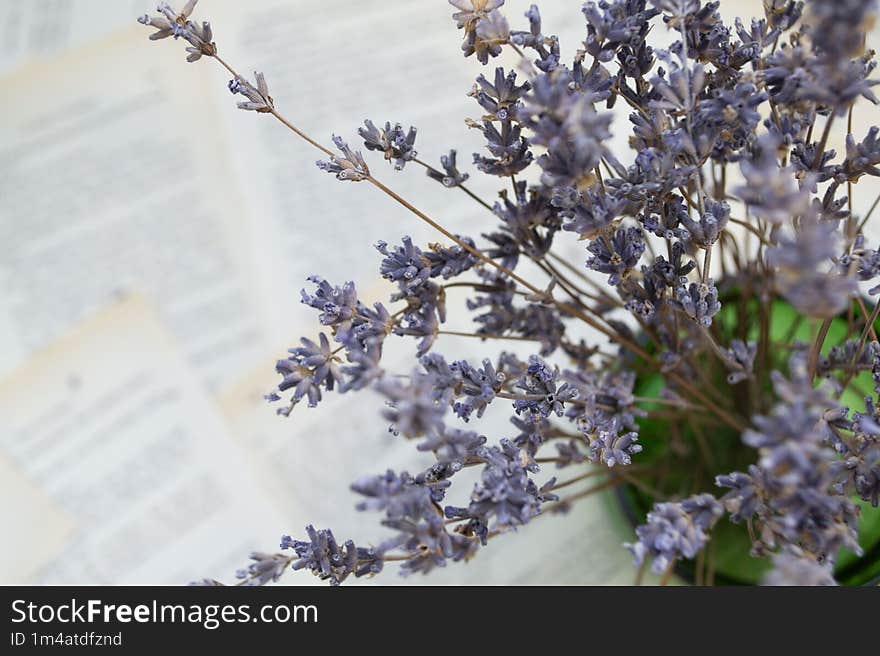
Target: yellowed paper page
[42, 28]
[116, 180]
[111, 425]
[37, 528]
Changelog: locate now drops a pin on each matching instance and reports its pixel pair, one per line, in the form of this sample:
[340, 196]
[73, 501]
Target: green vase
[684, 459]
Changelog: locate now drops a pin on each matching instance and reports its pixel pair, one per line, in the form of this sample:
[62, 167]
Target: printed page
[116, 180]
[42, 28]
[123, 472]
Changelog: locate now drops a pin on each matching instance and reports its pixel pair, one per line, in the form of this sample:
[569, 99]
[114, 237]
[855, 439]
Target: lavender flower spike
[450, 176]
[258, 98]
[675, 530]
[350, 167]
[392, 141]
[265, 567]
[178, 25]
[471, 12]
[168, 18]
[791, 569]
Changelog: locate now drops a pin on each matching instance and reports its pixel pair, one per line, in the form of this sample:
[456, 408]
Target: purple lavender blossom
[258, 98]
[354, 324]
[471, 12]
[805, 272]
[605, 400]
[426, 310]
[610, 447]
[746, 496]
[614, 25]
[790, 493]
[177, 24]
[798, 570]
[472, 388]
[396, 495]
[529, 219]
[363, 366]
[509, 149]
[338, 305]
[327, 560]
[546, 47]
[741, 360]
[861, 159]
[591, 212]
[351, 166]
[395, 143]
[450, 176]
[533, 432]
[618, 255]
[490, 34]
[771, 190]
[500, 98]
[833, 24]
[265, 567]
[309, 368]
[675, 530]
[706, 229]
[429, 544]
[505, 496]
[450, 261]
[570, 453]
[405, 265]
[451, 445]
[543, 396]
[412, 408]
[698, 301]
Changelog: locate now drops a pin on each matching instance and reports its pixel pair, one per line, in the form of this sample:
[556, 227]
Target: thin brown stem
[667, 573]
[463, 244]
[459, 186]
[817, 347]
[869, 327]
[515, 338]
[750, 228]
[820, 150]
[707, 262]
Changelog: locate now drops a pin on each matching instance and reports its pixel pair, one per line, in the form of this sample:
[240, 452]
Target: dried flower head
[258, 98]
[177, 24]
[351, 166]
[395, 143]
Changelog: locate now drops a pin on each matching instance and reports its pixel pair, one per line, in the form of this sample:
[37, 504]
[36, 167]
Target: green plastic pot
[676, 450]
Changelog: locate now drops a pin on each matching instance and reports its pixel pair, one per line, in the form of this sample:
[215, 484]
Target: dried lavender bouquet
[754, 386]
